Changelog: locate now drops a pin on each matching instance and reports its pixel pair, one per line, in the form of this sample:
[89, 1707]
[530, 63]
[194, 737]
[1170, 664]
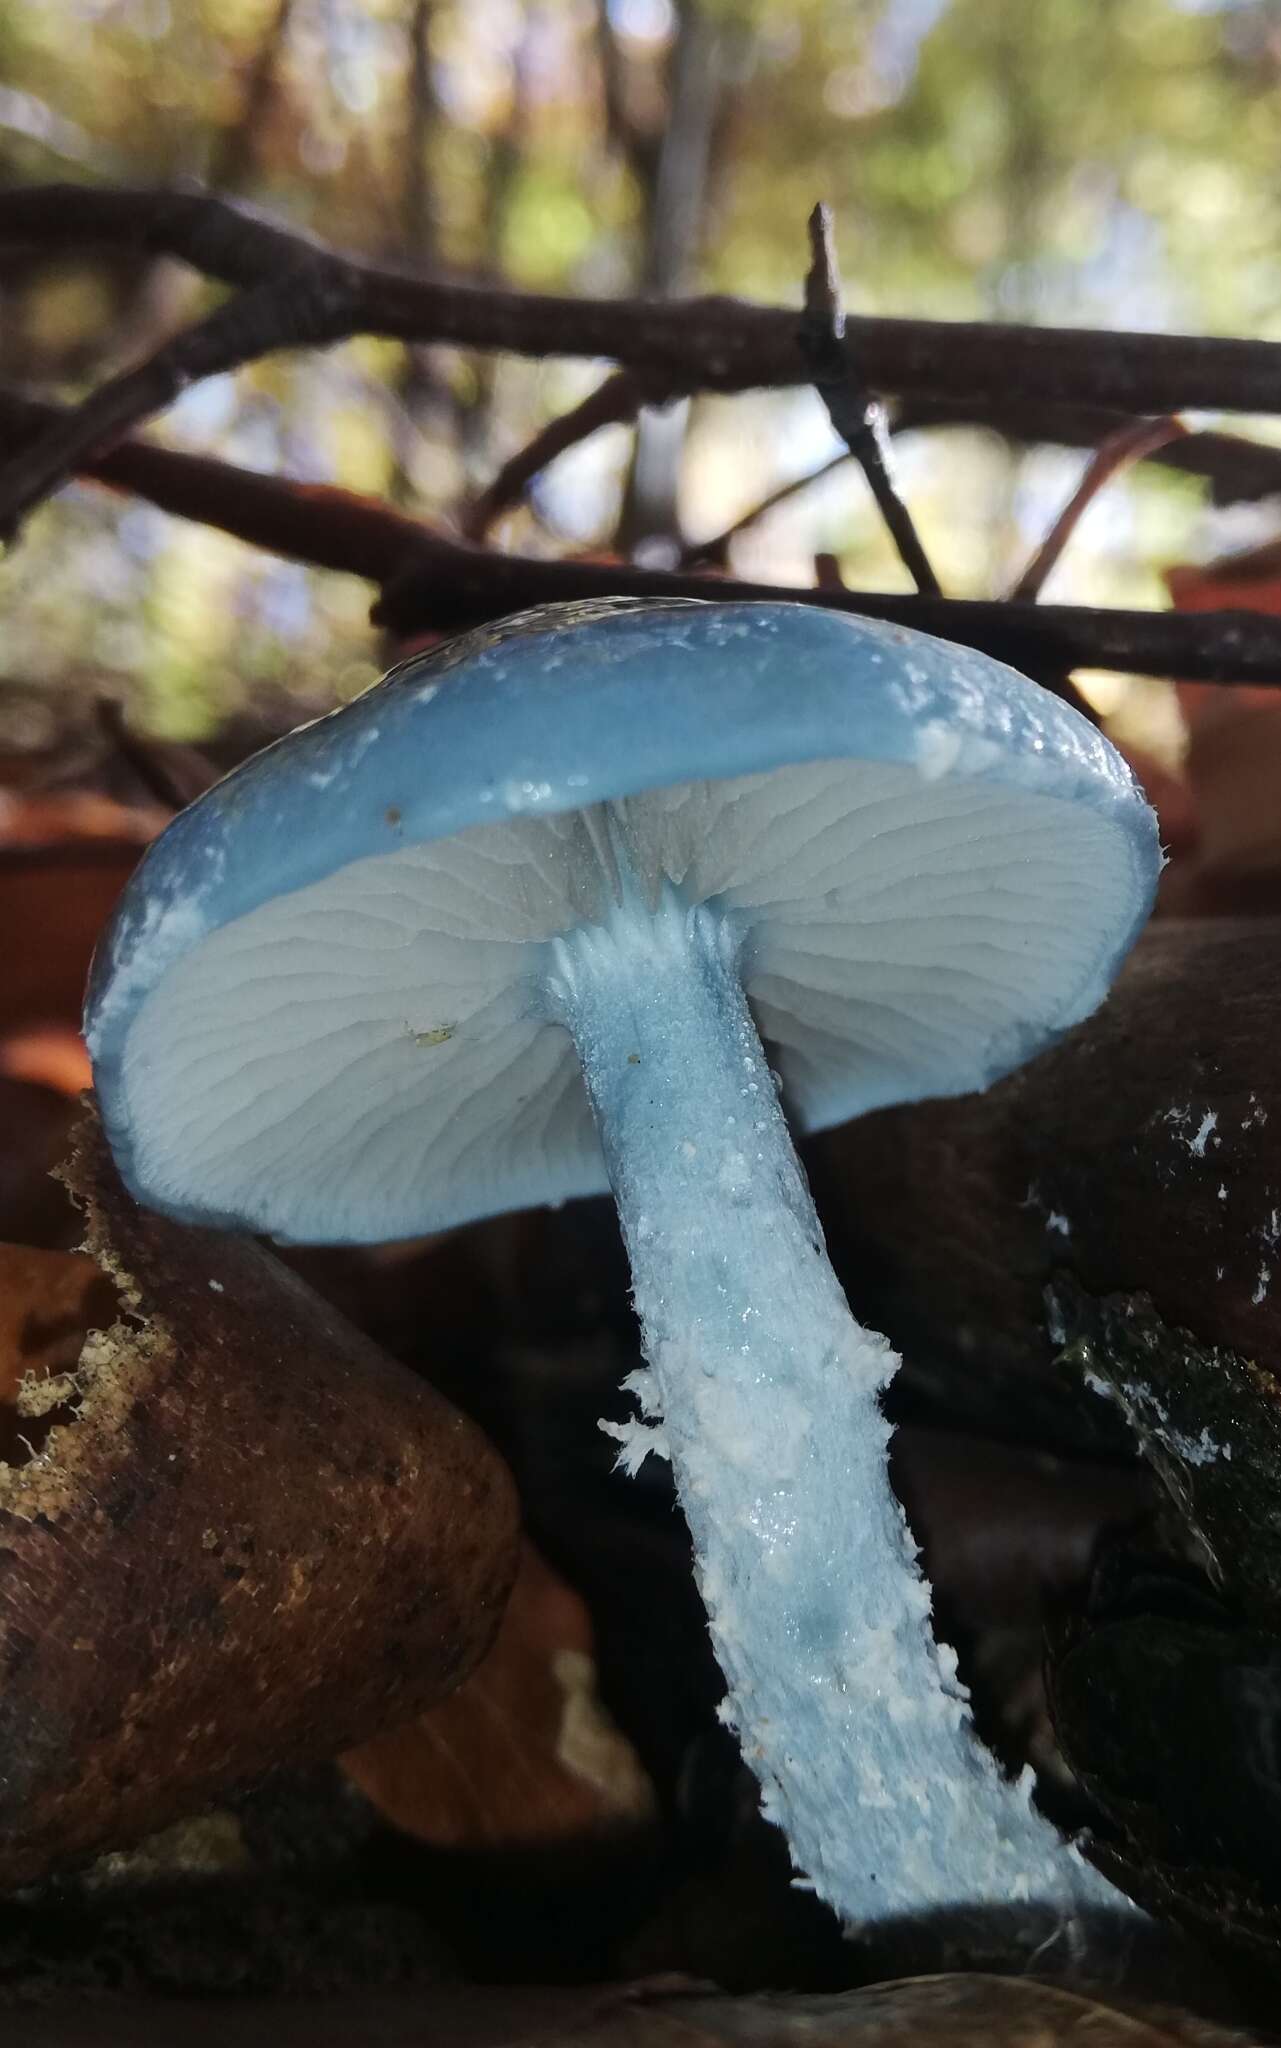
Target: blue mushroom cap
[318, 1008]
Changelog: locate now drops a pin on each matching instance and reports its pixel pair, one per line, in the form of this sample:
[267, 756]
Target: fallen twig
[856, 414]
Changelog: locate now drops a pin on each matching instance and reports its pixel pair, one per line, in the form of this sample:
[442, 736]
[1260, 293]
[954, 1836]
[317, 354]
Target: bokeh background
[1108, 166]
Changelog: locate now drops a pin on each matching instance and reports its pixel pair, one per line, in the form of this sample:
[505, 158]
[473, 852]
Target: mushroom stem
[763, 1390]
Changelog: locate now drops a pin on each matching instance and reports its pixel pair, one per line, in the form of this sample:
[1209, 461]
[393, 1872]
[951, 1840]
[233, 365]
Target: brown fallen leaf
[250, 1537]
[524, 1752]
[63, 861]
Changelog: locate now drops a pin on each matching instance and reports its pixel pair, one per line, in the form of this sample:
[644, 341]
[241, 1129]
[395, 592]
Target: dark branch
[219, 237]
[857, 416]
[719, 343]
[449, 587]
[431, 583]
[308, 295]
[300, 305]
[151, 762]
[317, 524]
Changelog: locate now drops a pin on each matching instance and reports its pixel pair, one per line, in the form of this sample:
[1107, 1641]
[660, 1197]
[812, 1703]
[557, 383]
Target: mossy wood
[254, 1538]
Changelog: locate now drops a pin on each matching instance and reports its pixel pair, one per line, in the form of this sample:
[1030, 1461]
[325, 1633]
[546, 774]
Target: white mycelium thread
[766, 1391]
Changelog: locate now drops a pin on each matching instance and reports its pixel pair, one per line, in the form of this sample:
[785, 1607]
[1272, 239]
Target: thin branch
[720, 344]
[448, 587]
[318, 524]
[858, 417]
[307, 296]
[1119, 452]
[432, 583]
[234, 333]
[615, 402]
[713, 553]
[1238, 471]
[173, 776]
[221, 238]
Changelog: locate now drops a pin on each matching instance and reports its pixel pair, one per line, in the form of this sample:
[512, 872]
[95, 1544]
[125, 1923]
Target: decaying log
[1142, 1155]
[250, 1537]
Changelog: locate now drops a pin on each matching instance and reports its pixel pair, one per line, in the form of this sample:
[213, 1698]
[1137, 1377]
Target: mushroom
[512, 927]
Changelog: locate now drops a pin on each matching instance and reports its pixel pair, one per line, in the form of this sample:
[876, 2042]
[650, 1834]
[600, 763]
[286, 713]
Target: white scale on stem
[764, 1392]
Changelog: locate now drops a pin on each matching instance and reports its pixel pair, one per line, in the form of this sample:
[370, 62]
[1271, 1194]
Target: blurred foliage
[986, 159]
